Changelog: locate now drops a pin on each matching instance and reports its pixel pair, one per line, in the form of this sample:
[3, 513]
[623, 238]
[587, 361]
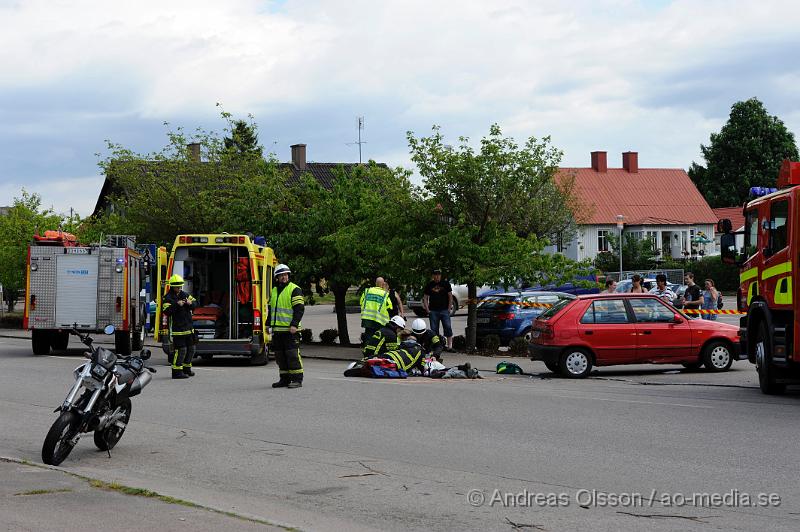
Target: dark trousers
[287, 355]
[370, 328]
[184, 351]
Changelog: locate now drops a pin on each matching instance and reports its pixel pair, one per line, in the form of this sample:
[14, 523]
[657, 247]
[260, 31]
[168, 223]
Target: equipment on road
[71, 284]
[231, 276]
[770, 331]
[99, 401]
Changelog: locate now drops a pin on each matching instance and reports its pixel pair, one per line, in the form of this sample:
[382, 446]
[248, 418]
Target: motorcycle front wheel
[106, 439]
[57, 444]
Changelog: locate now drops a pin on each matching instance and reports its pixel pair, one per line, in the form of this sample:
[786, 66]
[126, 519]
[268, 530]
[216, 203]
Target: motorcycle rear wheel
[106, 439]
[57, 444]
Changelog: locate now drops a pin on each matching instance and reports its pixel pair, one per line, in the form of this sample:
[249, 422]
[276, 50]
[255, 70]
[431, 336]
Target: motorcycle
[99, 400]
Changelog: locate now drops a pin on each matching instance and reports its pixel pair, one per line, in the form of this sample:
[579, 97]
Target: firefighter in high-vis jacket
[178, 306]
[286, 307]
[385, 339]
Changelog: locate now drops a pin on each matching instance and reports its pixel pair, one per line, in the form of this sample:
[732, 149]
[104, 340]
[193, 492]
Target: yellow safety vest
[375, 305]
[280, 307]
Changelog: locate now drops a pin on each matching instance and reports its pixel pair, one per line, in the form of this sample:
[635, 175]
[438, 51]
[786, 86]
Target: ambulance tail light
[241, 240]
[182, 240]
[256, 320]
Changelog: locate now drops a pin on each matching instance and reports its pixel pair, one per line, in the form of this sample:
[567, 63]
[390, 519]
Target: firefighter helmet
[418, 326]
[399, 321]
[176, 280]
[282, 268]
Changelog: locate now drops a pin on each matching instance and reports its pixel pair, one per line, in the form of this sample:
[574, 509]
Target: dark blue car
[510, 315]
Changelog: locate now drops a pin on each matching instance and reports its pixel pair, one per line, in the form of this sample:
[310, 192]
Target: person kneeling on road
[178, 307]
[385, 339]
[286, 307]
[407, 356]
[431, 342]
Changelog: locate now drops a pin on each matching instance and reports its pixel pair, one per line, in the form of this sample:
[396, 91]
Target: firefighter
[430, 341]
[385, 339]
[178, 306]
[286, 307]
[407, 356]
[375, 305]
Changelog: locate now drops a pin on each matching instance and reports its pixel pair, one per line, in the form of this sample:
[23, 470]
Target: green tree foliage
[747, 152]
[488, 214]
[637, 254]
[25, 218]
[244, 139]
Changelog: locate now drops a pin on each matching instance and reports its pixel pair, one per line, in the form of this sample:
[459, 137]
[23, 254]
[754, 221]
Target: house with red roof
[661, 204]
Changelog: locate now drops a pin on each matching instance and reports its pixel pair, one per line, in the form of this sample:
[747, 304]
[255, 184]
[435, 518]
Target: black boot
[283, 383]
[187, 370]
[179, 374]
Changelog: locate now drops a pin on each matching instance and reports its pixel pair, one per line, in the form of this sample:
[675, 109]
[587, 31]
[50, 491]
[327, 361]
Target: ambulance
[230, 276]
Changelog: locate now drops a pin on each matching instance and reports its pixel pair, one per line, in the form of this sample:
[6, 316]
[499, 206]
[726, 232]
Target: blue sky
[655, 77]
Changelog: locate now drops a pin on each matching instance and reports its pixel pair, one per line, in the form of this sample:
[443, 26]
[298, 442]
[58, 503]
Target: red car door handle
[647, 332]
[589, 332]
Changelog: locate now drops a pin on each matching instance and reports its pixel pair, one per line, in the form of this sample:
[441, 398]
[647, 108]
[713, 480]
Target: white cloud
[78, 193]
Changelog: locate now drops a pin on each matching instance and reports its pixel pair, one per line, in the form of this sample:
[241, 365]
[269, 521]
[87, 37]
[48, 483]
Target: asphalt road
[438, 455]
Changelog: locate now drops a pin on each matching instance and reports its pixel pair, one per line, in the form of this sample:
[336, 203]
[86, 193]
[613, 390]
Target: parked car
[510, 315]
[611, 329]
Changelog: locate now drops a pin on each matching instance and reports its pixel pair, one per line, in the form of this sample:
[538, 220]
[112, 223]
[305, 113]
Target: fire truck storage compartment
[211, 275]
[77, 290]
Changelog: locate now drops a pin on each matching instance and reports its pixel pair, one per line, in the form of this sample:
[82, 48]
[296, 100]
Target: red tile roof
[651, 196]
[733, 213]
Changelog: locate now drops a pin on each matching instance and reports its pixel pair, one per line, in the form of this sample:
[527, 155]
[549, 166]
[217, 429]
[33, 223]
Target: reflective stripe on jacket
[406, 358]
[282, 307]
[375, 305]
[385, 339]
[180, 316]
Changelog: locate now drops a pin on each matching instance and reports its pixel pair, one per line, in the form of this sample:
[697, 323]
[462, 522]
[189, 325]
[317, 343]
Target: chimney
[299, 156]
[194, 151]
[630, 161]
[599, 161]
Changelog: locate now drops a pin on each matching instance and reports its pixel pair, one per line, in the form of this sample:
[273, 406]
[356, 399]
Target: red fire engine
[769, 263]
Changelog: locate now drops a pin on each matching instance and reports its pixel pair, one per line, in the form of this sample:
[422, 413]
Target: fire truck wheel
[137, 340]
[717, 357]
[766, 373]
[59, 341]
[122, 343]
[40, 341]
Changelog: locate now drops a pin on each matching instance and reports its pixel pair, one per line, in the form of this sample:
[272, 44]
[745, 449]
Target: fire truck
[84, 286]
[769, 263]
[231, 278]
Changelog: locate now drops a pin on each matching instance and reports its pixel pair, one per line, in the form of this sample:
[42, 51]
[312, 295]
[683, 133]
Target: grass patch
[43, 492]
[352, 299]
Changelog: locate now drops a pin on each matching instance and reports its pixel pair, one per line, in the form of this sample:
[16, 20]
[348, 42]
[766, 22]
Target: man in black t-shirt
[692, 298]
[437, 301]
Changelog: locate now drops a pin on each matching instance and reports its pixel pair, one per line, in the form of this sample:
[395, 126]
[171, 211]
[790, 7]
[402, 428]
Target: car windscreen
[498, 303]
[555, 309]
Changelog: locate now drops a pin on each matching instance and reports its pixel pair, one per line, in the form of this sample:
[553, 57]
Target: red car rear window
[555, 309]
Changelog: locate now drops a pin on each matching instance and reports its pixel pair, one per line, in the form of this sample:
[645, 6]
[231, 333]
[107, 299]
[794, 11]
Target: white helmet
[282, 268]
[399, 321]
[418, 326]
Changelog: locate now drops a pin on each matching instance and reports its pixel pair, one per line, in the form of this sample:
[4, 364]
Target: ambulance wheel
[59, 341]
[137, 340]
[122, 343]
[40, 341]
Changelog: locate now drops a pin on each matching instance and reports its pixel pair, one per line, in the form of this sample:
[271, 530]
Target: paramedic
[286, 307]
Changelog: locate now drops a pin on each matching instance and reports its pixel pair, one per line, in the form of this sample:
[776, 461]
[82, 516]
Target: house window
[602, 241]
[560, 242]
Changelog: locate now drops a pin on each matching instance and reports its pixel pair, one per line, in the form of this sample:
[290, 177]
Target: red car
[609, 329]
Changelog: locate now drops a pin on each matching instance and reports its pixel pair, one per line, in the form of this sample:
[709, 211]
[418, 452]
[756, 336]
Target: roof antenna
[360, 142]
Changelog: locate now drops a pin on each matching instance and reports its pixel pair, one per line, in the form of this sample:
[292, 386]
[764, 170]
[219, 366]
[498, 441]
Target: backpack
[509, 368]
[719, 301]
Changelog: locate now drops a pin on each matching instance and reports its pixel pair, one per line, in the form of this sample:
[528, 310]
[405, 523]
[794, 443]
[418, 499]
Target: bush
[328, 336]
[518, 347]
[460, 342]
[306, 336]
[490, 344]
[11, 322]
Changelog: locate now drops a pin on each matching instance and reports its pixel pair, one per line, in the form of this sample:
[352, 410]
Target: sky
[657, 77]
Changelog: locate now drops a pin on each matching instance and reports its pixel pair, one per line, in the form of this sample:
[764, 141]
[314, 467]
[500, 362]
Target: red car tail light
[506, 316]
[545, 331]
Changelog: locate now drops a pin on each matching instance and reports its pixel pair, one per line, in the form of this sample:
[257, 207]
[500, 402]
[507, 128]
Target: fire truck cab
[769, 265]
[231, 278]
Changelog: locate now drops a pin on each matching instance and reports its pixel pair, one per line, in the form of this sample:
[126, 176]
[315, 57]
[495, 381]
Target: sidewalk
[75, 503]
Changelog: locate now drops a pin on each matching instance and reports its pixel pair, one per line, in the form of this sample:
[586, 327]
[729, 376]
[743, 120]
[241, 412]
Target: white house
[662, 204]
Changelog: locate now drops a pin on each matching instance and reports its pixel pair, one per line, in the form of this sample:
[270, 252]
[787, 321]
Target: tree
[487, 215]
[747, 152]
[24, 219]
[637, 254]
[243, 139]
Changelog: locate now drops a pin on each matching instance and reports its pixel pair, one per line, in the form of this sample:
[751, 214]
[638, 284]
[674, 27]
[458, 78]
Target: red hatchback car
[610, 329]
